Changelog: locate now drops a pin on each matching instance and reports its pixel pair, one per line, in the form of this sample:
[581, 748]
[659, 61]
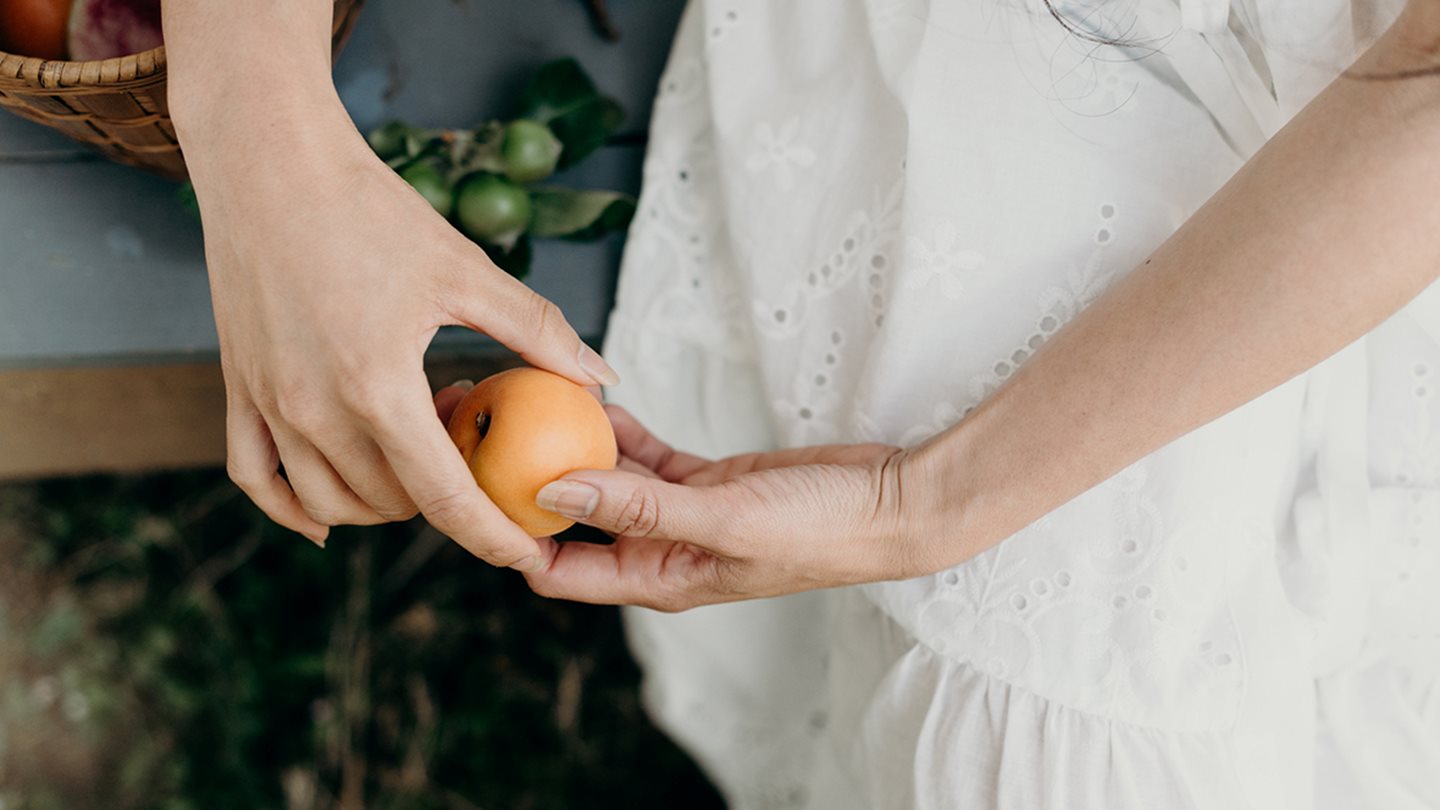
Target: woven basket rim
[28, 74]
[35, 73]
[157, 51]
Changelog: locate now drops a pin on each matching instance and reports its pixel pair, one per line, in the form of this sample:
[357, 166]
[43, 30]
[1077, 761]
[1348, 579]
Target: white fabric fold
[859, 219]
[1205, 16]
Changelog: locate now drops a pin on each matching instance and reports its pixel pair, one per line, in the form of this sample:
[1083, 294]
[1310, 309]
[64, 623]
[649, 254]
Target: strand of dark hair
[1075, 30]
[1398, 75]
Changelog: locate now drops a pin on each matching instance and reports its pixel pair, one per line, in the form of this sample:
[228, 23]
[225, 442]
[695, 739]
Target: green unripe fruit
[492, 209]
[529, 151]
[432, 185]
[389, 141]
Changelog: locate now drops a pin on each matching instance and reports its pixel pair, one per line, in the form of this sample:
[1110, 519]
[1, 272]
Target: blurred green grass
[162, 645]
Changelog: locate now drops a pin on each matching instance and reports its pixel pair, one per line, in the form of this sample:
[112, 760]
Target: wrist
[944, 507]
[232, 72]
[292, 147]
[219, 121]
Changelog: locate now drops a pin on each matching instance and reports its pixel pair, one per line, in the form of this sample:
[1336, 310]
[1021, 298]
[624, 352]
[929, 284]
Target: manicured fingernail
[464, 384]
[600, 371]
[529, 565]
[317, 539]
[569, 498]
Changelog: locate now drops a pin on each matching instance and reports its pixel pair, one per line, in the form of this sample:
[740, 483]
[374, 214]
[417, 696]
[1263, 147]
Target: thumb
[630, 505]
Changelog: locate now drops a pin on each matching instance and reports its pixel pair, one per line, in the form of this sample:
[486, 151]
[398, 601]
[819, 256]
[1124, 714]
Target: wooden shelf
[108, 354]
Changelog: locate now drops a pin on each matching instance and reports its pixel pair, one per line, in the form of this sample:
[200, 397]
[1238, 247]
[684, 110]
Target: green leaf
[562, 96]
[578, 215]
[185, 194]
[558, 87]
[585, 128]
[516, 260]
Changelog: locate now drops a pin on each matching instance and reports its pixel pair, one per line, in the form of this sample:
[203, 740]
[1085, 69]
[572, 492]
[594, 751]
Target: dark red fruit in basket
[101, 29]
[34, 27]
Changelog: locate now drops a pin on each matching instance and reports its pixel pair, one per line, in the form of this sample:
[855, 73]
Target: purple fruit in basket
[101, 29]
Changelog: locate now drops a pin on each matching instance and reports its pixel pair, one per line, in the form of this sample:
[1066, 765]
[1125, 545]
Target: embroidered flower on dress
[944, 260]
[779, 154]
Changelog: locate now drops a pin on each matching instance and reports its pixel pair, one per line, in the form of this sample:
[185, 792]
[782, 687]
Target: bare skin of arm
[1332, 227]
[329, 277]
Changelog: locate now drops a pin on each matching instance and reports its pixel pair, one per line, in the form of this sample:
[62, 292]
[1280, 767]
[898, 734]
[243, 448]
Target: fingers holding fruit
[448, 397]
[418, 448]
[253, 463]
[529, 325]
[325, 269]
[362, 469]
[521, 429]
[691, 532]
[325, 495]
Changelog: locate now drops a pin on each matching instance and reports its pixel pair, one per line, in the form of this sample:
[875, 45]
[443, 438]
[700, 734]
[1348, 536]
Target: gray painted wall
[99, 265]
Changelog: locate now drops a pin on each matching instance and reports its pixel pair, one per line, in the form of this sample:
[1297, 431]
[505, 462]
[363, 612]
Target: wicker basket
[115, 105]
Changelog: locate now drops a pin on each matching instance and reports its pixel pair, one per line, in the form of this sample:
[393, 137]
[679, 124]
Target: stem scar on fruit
[523, 428]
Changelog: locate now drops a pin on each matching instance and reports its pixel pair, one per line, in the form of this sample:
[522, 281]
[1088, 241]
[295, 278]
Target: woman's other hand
[690, 532]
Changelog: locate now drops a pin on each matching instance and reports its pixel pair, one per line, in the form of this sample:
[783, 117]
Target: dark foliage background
[163, 646]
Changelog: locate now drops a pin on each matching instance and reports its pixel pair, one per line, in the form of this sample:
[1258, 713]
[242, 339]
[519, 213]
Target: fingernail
[569, 498]
[464, 384]
[600, 371]
[317, 539]
[529, 565]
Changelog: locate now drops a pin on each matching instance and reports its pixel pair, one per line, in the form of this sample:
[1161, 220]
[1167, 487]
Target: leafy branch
[484, 178]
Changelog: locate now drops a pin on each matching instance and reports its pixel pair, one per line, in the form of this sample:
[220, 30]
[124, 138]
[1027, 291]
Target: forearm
[249, 78]
[1331, 228]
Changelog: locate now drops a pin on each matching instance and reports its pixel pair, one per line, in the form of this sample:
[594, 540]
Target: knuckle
[395, 513]
[448, 511]
[639, 516]
[544, 587]
[325, 517]
[542, 316]
[673, 602]
[247, 479]
[299, 405]
[503, 559]
[342, 516]
[355, 363]
[370, 399]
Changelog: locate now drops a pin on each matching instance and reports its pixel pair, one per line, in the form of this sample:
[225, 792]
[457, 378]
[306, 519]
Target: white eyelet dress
[859, 218]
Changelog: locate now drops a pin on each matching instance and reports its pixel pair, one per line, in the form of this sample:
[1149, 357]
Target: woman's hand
[1247, 294]
[691, 532]
[329, 277]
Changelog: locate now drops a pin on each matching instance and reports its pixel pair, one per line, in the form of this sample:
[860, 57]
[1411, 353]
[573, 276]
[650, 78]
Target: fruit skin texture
[34, 27]
[540, 427]
[389, 141]
[492, 209]
[431, 184]
[529, 151]
[102, 29]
